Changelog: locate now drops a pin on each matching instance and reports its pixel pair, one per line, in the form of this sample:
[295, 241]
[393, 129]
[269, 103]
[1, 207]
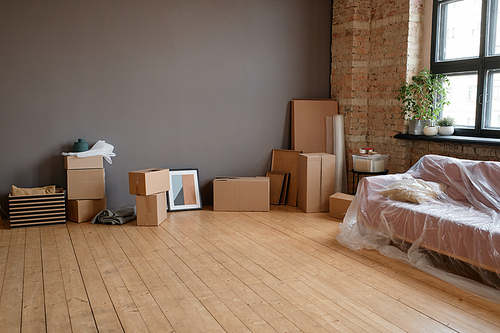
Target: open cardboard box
[149, 181]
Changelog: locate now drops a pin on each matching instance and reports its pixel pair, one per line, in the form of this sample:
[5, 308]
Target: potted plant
[423, 99]
[446, 125]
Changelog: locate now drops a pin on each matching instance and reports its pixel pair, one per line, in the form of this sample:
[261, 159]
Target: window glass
[494, 29]
[462, 98]
[491, 117]
[459, 30]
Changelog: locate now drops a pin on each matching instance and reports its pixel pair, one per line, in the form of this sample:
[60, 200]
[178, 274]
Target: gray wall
[169, 83]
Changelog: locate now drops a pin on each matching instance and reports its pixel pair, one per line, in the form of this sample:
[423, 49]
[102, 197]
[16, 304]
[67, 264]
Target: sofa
[442, 215]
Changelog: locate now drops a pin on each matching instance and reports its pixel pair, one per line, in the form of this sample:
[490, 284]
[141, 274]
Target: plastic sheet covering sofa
[454, 235]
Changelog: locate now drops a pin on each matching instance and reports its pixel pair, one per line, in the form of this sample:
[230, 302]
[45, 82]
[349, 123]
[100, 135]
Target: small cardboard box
[339, 203]
[241, 194]
[37, 210]
[75, 162]
[84, 210]
[85, 184]
[151, 209]
[149, 181]
[316, 181]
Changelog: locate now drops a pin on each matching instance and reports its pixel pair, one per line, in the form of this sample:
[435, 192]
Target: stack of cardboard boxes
[86, 195]
[150, 187]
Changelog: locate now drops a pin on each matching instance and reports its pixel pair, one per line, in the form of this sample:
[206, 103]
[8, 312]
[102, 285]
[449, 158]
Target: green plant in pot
[446, 125]
[423, 99]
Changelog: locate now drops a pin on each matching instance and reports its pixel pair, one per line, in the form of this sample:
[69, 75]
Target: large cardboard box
[151, 209]
[85, 184]
[308, 118]
[316, 181]
[241, 194]
[75, 162]
[339, 203]
[149, 181]
[37, 210]
[84, 210]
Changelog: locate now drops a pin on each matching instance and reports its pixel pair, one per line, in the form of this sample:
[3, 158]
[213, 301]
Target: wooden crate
[37, 210]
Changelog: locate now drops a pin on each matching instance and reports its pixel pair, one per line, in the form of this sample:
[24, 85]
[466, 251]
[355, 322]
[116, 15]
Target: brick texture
[376, 45]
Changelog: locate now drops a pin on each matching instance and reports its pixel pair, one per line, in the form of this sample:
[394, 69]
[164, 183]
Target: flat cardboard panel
[149, 181]
[276, 181]
[287, 161]
[339, 203]
[75, 162]
[241, 194]
[284, 190]
[85, 184]
[316, 181]
[308, 120]
[84, 210]
[151, 209]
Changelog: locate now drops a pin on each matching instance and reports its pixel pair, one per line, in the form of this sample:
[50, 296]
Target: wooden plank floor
[203, 271]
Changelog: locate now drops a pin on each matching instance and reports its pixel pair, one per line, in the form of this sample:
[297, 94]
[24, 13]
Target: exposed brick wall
[376, 45]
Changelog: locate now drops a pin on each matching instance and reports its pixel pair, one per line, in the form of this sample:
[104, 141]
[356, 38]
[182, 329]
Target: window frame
[481, 65]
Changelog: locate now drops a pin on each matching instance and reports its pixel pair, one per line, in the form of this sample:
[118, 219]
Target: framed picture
[184, 191]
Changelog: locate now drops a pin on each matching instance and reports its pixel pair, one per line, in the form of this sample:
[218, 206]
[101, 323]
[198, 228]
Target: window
[466, 39]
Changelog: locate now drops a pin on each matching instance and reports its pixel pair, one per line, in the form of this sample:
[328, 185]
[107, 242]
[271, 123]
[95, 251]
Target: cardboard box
[85, 184]
[339, 203]
[241, 194]
[149, 181]
[75, 162]
[151, 209]
[316, 181]
[84, 210]
[308, 121]
[37, 210]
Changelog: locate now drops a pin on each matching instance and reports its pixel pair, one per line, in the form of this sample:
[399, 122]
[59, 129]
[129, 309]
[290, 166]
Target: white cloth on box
[99, 148]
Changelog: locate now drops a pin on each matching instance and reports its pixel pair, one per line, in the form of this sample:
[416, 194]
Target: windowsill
[451, 138]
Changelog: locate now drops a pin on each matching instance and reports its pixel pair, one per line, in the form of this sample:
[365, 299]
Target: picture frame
[184, 193]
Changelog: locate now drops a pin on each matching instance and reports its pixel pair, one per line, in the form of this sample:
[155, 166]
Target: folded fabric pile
[99, 148]
[120, 216]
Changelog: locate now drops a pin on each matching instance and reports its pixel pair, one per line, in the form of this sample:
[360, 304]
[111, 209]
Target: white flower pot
[430, 130]
[446, 130]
